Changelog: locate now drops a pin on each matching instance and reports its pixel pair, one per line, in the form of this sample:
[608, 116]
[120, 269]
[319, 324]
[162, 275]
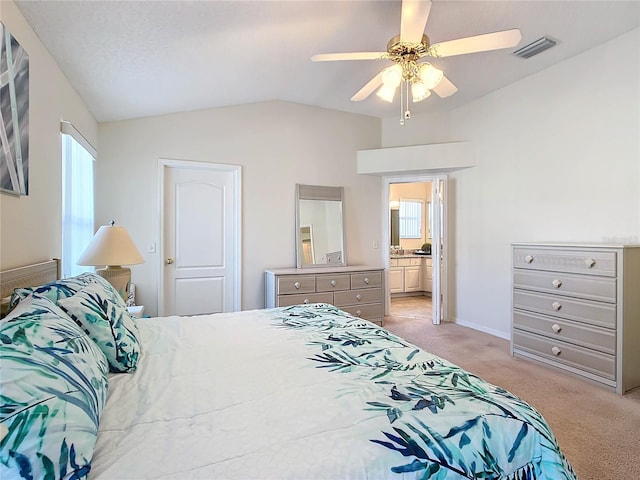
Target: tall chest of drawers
[358, 290]
[577, 308]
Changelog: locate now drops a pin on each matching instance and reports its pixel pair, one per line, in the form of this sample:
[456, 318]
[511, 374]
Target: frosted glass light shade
[391, 76]
[430, 75]
[111, 246]
[419, 91]
[387, 92]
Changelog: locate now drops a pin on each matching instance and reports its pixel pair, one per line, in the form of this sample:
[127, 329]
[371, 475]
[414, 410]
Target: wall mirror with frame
[319, 226]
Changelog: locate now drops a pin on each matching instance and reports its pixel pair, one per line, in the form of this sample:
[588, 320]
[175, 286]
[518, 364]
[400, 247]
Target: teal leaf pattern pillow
[54, 387]
[58, 289]
[108, 323]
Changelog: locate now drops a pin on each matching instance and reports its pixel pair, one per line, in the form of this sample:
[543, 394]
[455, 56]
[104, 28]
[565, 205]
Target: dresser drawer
[303, 298]
[368, 311]
[329, 283]
[598, 338]
[594, 313]
[356, 297]
[366, 280]
[296, 284]
[564, 353]
[569, 261]
[583, 286]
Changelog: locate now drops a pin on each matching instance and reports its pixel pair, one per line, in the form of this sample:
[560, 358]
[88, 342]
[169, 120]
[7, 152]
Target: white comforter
[220, 398]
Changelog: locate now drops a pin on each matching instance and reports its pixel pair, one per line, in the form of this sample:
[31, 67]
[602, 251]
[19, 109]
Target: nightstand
[136, 311]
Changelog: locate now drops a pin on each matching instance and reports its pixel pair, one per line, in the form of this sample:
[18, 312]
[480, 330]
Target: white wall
[558, 158]
[30, 227]
[277, 144]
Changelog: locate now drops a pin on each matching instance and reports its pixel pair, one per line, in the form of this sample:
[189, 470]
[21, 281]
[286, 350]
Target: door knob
[169, 261]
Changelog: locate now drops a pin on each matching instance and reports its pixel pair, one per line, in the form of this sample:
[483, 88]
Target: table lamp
[112, 246]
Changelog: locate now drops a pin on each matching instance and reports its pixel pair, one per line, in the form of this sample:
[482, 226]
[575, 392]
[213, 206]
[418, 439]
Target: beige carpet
[598, 431]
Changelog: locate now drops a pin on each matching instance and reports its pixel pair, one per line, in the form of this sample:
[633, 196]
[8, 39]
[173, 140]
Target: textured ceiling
[131, 59]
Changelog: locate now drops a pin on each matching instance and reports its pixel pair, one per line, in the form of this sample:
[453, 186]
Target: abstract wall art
[14, 115]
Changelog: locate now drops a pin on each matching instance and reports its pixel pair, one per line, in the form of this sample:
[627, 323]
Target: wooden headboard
[29, 276]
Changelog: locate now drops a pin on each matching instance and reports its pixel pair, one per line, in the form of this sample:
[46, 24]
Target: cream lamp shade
[112, 246]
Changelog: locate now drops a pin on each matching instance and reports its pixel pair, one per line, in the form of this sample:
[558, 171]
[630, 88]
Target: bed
[306, 391]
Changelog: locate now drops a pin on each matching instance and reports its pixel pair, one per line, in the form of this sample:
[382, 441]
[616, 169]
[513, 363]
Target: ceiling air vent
[535, 48]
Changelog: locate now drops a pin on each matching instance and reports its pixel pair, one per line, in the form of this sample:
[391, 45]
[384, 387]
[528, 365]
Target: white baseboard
[482, 328]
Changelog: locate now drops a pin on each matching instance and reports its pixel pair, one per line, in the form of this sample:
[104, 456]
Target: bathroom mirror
[319, 226]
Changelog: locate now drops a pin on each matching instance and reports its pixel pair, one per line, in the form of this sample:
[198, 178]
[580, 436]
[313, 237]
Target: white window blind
[410, 218]
[78, 157]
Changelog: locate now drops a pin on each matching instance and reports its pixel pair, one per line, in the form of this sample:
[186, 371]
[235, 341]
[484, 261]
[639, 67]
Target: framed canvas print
[14, 115]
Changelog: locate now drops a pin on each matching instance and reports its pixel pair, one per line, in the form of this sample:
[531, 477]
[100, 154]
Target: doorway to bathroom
[415, 237]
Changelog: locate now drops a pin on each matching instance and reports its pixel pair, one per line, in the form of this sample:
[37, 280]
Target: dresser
[577, 308]
[358, 290]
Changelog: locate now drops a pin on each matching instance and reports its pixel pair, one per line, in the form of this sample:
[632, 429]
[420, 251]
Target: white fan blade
[330, 57]
[368, 89]
[445, 88]
[414, 20]
[478, 43]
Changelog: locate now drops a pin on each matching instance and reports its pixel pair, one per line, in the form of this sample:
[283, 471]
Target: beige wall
[30, 227]
[558, 159]
[278, 144]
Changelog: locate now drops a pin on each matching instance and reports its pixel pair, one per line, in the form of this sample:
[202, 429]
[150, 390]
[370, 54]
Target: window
[410, 218]
[78, 158]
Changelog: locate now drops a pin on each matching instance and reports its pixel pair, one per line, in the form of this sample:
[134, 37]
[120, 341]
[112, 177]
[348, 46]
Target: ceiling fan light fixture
[387, 92]
[392, 76]
[419, 91]
[430, 75]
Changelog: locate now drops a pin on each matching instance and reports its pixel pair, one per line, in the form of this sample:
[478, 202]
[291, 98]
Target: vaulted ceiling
[131, 59]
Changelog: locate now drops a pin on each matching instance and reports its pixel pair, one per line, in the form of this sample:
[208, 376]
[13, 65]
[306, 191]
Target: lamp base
[119, 277]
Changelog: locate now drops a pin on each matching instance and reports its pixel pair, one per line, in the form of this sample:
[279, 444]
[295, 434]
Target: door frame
[439, 258]
[236, 171]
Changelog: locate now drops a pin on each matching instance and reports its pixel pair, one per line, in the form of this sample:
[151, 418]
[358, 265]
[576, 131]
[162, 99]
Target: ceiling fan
[407, 49]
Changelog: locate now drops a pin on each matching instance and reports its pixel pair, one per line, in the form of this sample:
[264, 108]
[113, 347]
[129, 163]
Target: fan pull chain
[407, 113]
[401, 102]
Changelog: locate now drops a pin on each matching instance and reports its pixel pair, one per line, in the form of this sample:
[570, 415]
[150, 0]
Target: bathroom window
[410, 218]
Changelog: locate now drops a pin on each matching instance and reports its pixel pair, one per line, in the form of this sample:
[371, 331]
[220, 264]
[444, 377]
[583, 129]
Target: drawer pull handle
[528, 258]
[306, 301]
[358, 297]
[556, 305]
[556, 328]
[556, 351]
[333, 283]
[366, 280]
[557, 283]
[358, 313]
[297, 285]
[589, 262]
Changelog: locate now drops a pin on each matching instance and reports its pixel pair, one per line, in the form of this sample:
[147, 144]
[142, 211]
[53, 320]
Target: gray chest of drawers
[358, 290]
[577, 308]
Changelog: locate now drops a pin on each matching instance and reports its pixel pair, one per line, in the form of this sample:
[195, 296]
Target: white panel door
[200, 271]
